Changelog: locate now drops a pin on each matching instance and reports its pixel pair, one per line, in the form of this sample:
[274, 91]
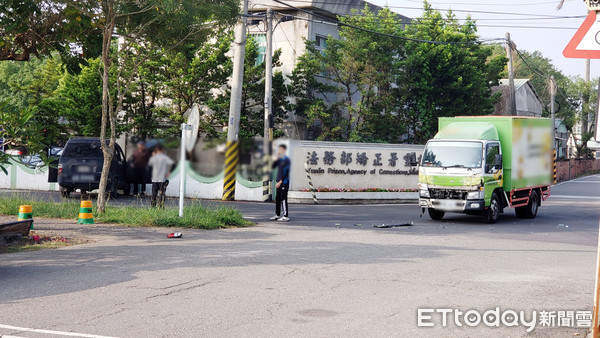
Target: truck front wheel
[435, 215]
[530, 210]
[493, 212]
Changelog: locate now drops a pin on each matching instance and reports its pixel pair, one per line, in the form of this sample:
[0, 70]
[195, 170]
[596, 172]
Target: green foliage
[33, 86]
[40, 27]
[253, 93]
[539, 75]
[393, 90]
[582, 102]
[81, 100]
[445, 79]
[360, 69]
[18, 129]
[196, 215]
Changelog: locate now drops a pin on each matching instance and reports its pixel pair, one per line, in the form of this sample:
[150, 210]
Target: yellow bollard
[85, 213]
[25, 213]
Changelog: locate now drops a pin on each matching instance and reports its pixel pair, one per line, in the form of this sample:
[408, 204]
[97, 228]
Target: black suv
[80, 167]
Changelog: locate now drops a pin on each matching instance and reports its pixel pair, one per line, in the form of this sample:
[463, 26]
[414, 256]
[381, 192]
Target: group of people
[157, 166]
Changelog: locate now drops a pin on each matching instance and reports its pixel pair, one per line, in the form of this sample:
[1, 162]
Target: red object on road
[175, 235]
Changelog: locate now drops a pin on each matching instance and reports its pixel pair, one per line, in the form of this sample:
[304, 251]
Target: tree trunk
[107, 111]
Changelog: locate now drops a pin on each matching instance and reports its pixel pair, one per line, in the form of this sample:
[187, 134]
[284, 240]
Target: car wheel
[493, 212]
[65, 193]
[436, 215]
[530, 210]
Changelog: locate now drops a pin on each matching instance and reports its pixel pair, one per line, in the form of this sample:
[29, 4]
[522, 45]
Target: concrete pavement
[326, 273]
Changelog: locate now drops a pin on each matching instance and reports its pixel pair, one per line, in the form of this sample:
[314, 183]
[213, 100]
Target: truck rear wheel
[530, 210]
[436, 215]
[493, 212]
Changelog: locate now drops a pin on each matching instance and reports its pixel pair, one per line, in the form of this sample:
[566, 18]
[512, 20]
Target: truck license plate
[450, 205]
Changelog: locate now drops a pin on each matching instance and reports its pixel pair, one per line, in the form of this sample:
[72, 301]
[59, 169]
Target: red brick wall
[578, 168]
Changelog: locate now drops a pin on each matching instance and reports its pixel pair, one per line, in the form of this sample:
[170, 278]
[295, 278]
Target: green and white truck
[481, 165]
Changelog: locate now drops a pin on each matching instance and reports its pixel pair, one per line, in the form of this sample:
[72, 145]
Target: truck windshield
[453, 154]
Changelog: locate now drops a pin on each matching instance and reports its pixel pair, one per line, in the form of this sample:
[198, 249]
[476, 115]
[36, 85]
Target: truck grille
[448, 194]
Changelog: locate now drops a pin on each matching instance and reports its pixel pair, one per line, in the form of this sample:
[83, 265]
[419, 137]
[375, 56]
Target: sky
[538, 28]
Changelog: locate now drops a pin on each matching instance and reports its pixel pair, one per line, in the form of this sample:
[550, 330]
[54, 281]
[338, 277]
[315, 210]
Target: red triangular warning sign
[586, 42]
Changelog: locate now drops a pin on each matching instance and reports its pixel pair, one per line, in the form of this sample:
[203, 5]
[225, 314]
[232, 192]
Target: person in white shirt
[161, 169]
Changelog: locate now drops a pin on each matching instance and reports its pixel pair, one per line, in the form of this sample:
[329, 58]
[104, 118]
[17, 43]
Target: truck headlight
[424, 193]
[474, 195]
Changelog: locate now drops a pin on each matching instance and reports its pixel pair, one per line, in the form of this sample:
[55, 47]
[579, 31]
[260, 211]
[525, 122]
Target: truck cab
[463, 170]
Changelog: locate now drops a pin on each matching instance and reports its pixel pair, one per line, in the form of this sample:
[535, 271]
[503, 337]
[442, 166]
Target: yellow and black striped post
[232, 153]
[85, 213]
[266, 179]
[554, 167]
[310, 184]
[25, 213]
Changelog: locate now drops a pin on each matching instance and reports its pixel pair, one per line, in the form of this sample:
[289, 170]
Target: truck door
[493, 177]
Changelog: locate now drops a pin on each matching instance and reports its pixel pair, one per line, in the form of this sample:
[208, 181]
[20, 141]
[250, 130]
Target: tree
[152, 24]
[81, 100]
[33, 86]
[253, 93]
[40, 27]
[182, 78]
[391, 84]
[583, 95]
[538, 68]
[16, 129]
[449, 79]
[361, 69]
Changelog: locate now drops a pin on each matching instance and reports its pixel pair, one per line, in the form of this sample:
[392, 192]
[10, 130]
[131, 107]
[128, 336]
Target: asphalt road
[328, 272]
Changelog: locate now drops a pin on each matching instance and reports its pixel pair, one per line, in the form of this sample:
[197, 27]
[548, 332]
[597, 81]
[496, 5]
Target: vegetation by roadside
[196, 215]
[37, 241]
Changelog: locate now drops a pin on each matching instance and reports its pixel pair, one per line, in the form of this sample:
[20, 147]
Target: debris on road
[387, 226]
[175, 235]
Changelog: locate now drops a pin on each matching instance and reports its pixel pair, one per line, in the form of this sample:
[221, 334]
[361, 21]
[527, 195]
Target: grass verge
[39, 242]
[196, 215]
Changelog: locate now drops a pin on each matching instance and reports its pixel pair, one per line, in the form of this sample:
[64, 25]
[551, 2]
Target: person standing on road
[283, 165]
[161, 169]
[139, 166]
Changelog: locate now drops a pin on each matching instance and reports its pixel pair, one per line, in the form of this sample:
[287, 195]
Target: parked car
[33, 161]
[15, 151]
[80, 167]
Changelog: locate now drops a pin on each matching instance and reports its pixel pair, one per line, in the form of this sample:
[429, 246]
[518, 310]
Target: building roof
[518, 83]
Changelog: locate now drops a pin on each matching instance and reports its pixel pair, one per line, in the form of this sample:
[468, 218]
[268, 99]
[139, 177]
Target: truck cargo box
[526, 146]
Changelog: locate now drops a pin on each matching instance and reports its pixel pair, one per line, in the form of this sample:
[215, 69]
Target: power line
[506, 26]
[326, 20]
[496, 4]
[330, 22]
[539, 73]
[441, 10]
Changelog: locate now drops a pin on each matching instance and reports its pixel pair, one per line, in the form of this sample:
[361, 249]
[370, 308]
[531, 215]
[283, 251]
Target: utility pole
[268, 128]
[597, 123]
[235, 106]
[585, 114]
[511, 76]
[552, 99]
